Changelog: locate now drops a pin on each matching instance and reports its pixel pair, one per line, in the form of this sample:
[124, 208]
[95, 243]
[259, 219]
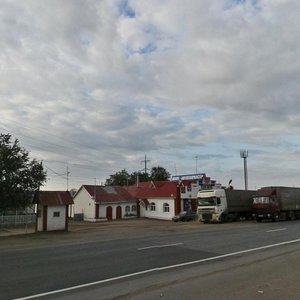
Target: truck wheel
[275, 217]
[223, 218]
[258, 219]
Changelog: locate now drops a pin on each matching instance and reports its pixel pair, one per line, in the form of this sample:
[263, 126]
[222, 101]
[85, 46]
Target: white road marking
[160, 246]
[157, 269]
[274, 230]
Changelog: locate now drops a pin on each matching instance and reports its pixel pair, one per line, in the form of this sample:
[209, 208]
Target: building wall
[84, 204]
[159, 213]
[103, 207]
[189, 195]
[56, 218]
[39, 218]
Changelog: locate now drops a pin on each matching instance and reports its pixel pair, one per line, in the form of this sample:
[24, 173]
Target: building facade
[52, 210]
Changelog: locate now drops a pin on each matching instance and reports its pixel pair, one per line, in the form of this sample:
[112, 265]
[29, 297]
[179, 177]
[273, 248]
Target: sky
[92, 86]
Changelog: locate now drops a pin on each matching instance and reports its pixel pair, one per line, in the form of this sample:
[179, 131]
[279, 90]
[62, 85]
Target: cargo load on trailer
[276, 203]
[220, 205]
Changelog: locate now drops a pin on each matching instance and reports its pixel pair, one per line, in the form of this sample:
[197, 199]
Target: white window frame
[166, 207]
[152, 206]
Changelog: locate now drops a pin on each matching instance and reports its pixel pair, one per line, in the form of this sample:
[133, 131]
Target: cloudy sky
[94, 86]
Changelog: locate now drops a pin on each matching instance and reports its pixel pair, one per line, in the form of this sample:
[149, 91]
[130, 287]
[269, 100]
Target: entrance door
[119, 212]
[97, 211]
[45, 214]
[109, 213]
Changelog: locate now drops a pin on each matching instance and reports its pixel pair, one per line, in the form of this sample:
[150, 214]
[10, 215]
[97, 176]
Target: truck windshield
[261, 200]
[207, 201]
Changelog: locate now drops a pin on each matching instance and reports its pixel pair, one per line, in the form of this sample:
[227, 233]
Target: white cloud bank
[96, 85]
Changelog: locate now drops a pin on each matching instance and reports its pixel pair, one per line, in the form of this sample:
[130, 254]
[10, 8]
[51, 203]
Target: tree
[124, 178]
[120, 178]
[20, 176]
[159, 174]
[139, 176]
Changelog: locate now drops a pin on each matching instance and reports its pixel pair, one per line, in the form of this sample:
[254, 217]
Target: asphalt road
[152, 260]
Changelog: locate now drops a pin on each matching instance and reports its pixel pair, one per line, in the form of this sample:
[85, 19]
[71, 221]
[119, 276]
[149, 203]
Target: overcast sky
[94, 86]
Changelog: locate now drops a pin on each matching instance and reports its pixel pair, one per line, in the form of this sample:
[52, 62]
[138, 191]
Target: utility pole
[145, 162]
[244, 155]
[68, 178]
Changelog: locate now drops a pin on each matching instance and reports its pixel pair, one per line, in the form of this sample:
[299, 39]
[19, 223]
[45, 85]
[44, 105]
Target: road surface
[159, 260]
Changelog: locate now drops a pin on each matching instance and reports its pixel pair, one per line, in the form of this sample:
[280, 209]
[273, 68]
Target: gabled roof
[109, 193]
[156, 189]
[53, 198]
[113, 194]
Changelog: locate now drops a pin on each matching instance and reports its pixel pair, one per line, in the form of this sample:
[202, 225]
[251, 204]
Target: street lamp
[244, 155]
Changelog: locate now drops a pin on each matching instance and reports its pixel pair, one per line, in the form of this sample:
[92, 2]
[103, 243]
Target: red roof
[53, 198]
[157, 189]
[109, 193]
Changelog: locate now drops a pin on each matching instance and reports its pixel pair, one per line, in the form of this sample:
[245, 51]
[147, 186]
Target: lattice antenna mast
[145, 161]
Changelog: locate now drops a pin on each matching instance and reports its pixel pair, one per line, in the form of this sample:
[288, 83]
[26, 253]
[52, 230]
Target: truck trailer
[276, 203]
[221, 205]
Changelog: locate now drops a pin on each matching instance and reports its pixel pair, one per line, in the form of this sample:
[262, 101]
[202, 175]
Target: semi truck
[222, 205]
[276, 203]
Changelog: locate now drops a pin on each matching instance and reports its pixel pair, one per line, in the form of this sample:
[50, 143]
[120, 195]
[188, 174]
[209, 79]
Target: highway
[156, 263]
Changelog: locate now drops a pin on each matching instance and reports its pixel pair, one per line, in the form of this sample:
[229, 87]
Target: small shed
[52, 210]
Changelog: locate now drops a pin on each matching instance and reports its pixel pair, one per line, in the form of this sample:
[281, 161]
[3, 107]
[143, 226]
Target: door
[97, 211]
[109, 213]
[45, 220]
[138, 210]
[119, 212]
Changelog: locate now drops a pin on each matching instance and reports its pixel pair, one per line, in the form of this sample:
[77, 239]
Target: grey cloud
[84, 83]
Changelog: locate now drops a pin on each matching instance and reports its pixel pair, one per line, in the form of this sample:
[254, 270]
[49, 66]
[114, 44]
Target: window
[166, 207]
[133, 208]
[127, 209]
[261, 200]
[207, 201]
[56, 214]
[152, 206]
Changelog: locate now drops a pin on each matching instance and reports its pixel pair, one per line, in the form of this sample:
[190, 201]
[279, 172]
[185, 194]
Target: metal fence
[14, 220]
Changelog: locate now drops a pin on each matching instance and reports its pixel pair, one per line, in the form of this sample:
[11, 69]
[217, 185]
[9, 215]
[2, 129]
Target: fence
[14, 220]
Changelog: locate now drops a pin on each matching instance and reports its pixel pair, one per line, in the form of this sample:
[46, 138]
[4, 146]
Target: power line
[61, 175]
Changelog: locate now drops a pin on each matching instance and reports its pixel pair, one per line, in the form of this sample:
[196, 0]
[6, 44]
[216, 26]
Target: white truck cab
[211, 205]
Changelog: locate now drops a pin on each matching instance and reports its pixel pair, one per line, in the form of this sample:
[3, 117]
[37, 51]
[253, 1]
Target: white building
[95, 203]
[157, 200]
[52, 210]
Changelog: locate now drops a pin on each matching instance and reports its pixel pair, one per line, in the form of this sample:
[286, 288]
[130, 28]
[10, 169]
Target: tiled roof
[53, 198]
[144, 190]
[157, 189]
[109, 193]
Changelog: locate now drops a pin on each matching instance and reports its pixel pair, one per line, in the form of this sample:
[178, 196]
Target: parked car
[185, 216]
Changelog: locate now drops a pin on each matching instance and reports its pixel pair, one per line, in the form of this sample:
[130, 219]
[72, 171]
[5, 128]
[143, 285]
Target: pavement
[18, 230]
